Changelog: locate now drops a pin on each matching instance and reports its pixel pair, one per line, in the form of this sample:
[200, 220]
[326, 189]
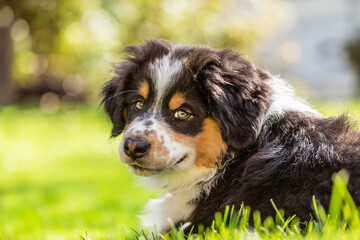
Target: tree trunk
[6, 53]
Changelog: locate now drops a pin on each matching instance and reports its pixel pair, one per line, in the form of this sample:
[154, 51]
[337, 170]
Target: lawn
[61, 177]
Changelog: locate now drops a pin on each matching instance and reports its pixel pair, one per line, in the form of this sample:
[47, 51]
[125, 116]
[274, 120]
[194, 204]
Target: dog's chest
[169, 209]
[179, 202]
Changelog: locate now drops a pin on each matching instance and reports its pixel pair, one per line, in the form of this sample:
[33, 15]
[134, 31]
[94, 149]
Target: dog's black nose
[136, 147]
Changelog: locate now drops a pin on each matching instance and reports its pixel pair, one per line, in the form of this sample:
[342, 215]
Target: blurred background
[60, 177]
[58, 52]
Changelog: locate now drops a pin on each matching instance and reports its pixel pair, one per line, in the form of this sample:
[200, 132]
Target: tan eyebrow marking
[176, 101]
[144, 89]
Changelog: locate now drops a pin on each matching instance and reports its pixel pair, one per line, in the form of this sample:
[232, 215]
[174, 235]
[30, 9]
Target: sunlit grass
[60, 175]
[61, 179]
[337, 107]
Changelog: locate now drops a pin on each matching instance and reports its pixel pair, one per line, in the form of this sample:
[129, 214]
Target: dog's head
[181, 106]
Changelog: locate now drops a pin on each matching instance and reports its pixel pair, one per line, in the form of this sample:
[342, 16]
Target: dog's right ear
[114, 94]
[114, 105]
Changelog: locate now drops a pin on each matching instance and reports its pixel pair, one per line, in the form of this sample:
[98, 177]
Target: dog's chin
[143, 171]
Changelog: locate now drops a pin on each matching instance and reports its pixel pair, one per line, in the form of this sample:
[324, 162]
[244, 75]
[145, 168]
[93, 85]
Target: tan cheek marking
[210, 144]
[176, 101]
[144, 89]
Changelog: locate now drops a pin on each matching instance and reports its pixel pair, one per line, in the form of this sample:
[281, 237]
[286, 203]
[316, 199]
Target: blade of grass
[277, 211]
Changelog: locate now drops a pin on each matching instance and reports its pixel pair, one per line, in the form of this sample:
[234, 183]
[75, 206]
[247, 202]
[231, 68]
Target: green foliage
[71, 44]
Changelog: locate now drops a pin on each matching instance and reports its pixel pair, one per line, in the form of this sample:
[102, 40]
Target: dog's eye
[139, 104]
[182, 114]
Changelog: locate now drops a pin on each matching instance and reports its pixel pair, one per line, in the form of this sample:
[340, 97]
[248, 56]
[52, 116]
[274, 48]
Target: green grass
[60, 178]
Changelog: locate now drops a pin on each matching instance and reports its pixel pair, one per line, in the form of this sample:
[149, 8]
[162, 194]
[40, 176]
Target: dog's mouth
[143, 171]
[181, 159]
[148, 171]
[141, 167]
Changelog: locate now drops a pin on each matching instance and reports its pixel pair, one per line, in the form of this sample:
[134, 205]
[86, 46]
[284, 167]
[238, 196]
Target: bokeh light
[54, 39]
[6, 16]
[49, 102]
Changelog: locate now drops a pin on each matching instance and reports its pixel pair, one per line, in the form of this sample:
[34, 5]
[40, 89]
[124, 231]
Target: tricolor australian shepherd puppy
[211, 129]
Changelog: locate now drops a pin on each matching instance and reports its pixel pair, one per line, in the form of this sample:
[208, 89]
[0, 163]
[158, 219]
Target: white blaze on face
[163, 73]
[165, 148]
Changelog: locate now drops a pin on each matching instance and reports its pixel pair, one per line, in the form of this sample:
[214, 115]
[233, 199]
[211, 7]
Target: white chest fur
[176, 204]
[166, 209]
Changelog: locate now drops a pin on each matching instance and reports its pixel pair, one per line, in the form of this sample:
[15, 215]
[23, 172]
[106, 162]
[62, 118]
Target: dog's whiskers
[119, 94]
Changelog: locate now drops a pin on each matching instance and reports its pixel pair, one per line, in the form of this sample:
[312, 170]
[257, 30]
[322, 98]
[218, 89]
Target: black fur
[290, 159]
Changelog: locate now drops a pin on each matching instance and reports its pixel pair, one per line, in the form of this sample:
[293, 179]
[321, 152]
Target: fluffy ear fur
[114, 104]
[236, 91]
[115, 92]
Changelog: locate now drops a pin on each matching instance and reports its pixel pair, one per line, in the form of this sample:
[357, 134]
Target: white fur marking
[183, 187]
[284, 99]
[164, 71]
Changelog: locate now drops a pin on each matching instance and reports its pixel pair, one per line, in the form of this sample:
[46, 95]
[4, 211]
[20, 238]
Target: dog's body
[212, 130]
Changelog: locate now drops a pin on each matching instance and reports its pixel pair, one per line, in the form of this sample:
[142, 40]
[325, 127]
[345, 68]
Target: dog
[211, 129]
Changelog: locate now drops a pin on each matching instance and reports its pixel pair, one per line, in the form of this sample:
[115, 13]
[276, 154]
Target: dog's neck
[182, 190]
[178, 181]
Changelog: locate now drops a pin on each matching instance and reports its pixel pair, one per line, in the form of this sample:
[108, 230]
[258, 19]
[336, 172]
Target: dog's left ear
[236, 92]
